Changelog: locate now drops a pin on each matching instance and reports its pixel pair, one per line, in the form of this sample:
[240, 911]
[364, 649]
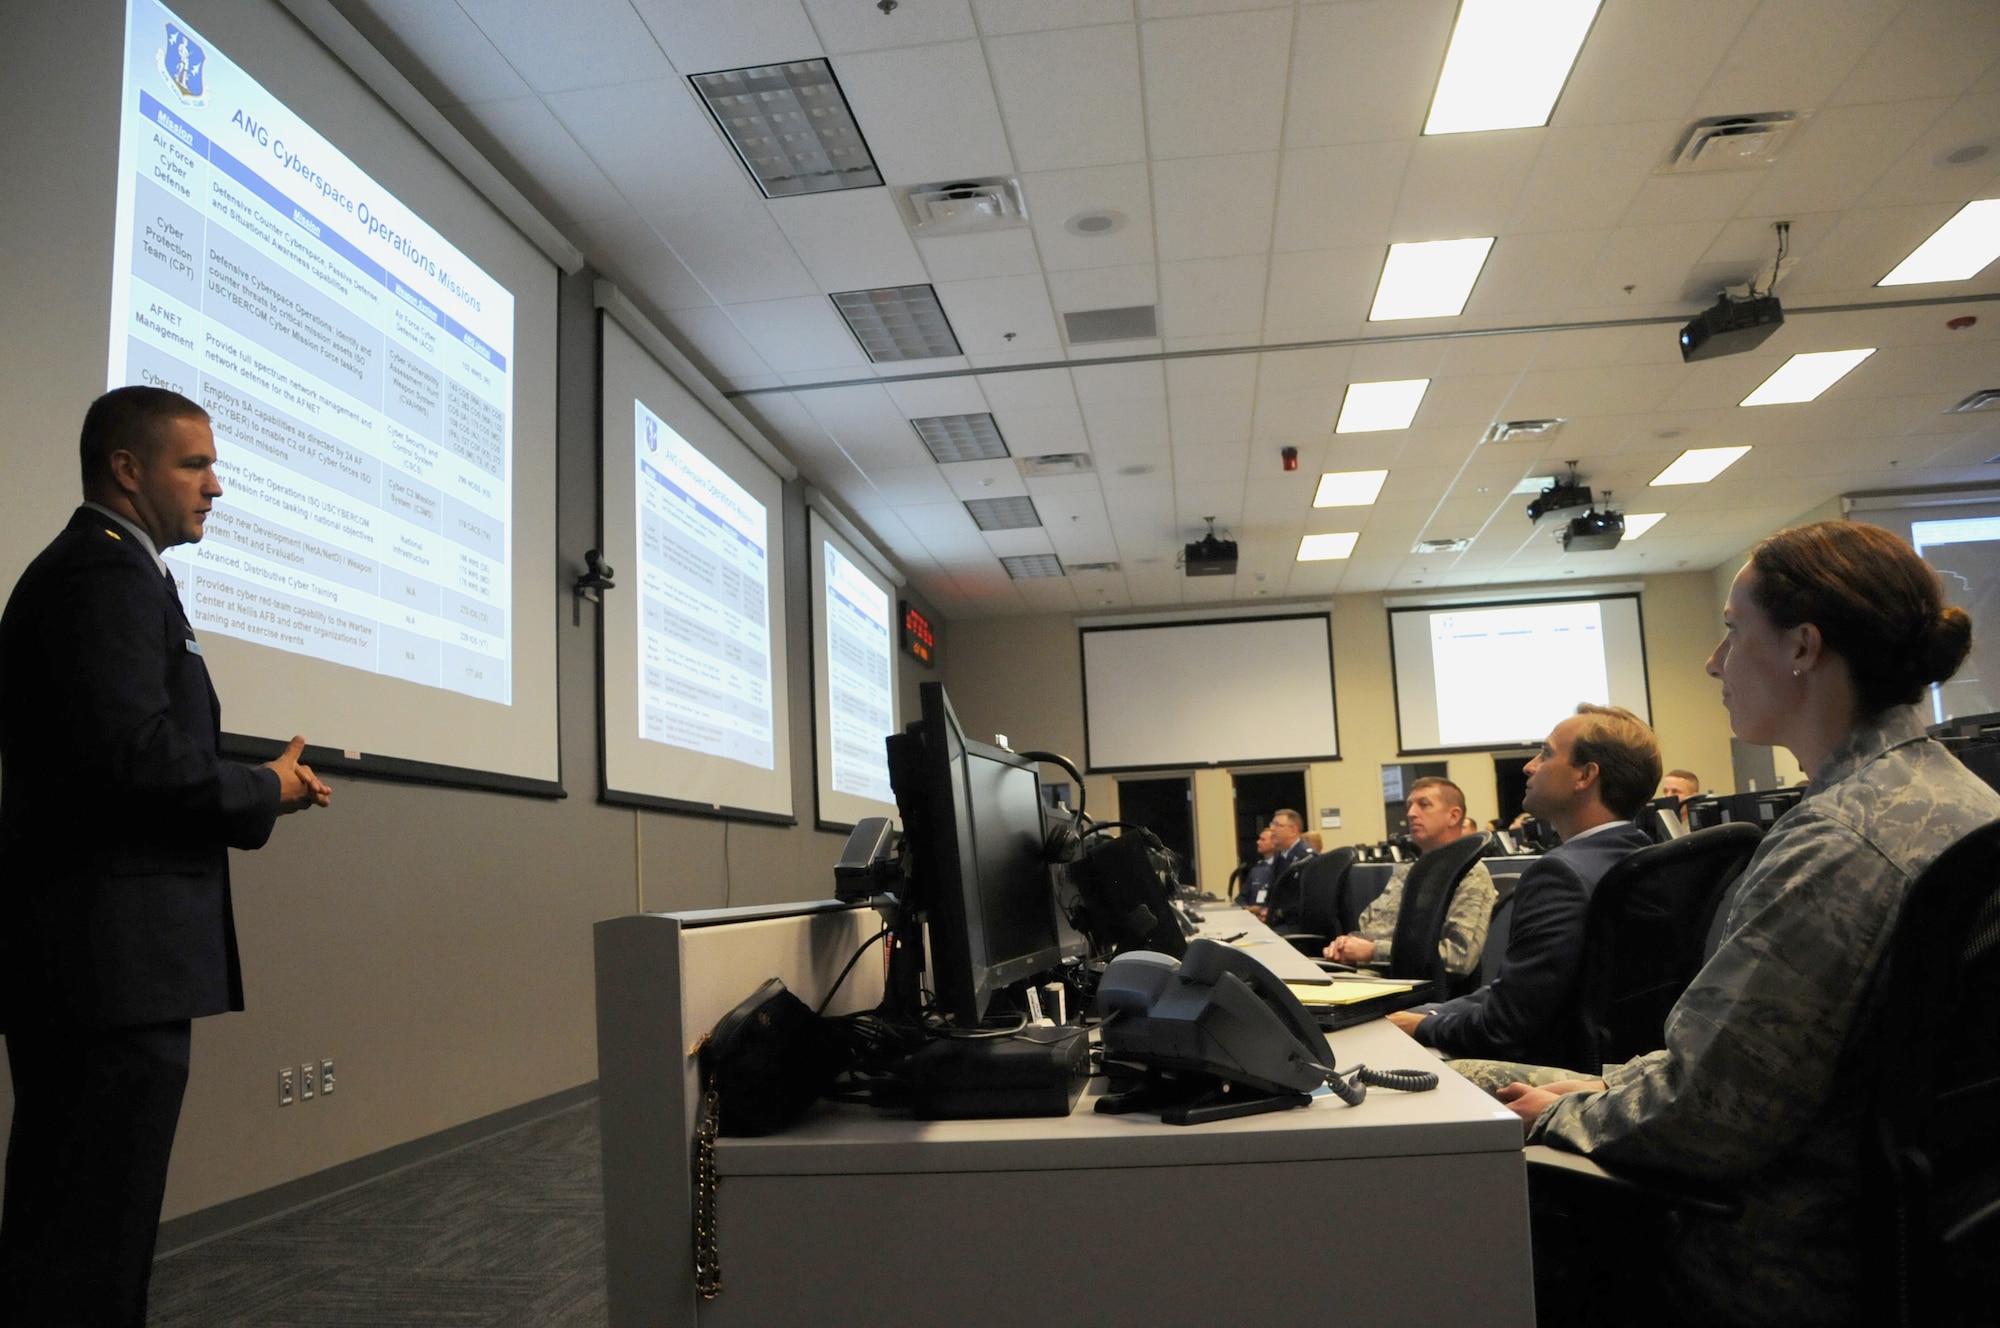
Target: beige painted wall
[1023, 677]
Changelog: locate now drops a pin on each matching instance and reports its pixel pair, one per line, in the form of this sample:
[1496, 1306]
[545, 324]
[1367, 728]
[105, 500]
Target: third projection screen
[1503, 675]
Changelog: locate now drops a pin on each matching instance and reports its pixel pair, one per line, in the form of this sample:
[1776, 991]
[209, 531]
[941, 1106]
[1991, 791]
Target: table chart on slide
[363, 433]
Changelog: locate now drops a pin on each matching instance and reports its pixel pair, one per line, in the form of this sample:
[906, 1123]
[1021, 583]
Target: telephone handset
[1217, 1012]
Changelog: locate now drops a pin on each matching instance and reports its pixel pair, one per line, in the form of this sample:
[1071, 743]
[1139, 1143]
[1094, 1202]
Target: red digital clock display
[918, 638]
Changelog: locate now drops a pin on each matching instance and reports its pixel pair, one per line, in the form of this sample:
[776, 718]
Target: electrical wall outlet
[307, 1073]
[326, 1077]
[285, 1086]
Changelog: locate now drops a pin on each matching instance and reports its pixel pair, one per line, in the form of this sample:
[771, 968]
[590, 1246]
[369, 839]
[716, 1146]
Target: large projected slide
[696, 702]
[1503, 675]
[854, 679]
[361, 374]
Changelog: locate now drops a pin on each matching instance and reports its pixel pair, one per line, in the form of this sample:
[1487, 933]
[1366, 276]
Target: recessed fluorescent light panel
[791, 126]
[1372, 407]
[1804, 377]
[1003, 513]
[1507, 63]
[1638, 523]
[1429, 280]
[898, 322]
[961, 437]
[1349, 488]
[1956, 250]
[1033, 566]
[1699, 465]
[1323, 548]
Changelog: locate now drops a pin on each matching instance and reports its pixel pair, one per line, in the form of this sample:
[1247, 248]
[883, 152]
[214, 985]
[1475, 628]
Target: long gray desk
[1415, 1204]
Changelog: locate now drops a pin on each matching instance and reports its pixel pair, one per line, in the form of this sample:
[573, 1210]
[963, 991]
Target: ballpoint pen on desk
[1231, 939]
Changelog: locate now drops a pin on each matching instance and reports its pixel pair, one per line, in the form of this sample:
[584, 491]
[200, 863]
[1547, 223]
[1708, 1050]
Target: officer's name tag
[193, 646]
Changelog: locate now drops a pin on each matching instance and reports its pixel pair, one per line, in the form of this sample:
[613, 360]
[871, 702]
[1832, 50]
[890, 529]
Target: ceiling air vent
[1074, 568]
[961, 207]
[898, 322]
[1522, 431]
[1986, 398]
[1133, 323]
[1441, 546]
[1733, 142]
[1055, 463]
[961, 437]
[1033, 566]
[1003, 513]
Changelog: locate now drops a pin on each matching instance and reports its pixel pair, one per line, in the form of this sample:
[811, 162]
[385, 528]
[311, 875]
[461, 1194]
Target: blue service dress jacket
[116, 810]
[1529, 1012]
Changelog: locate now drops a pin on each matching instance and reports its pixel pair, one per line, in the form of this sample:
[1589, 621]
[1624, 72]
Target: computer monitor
[979, 871]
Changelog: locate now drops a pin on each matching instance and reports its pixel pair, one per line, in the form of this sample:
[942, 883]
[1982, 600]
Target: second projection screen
[695, 696]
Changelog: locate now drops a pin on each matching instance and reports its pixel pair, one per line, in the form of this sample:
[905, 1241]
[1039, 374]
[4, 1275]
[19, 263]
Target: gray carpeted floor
[505, 1233]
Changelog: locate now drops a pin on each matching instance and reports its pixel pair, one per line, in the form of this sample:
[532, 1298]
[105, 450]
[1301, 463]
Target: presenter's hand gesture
[298, 787]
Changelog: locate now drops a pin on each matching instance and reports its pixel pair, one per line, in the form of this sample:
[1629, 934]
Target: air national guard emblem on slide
[652, 435]
[182, 60]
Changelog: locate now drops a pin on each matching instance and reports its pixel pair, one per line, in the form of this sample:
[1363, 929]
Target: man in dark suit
[1287, 831]
[1595, 771]
[116, 820]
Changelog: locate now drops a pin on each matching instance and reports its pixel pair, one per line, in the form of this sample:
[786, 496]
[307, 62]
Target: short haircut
[1289, 816]
[1626, 753]
[1689, 775]
[1875, 602]
[1454, 796]
[127, 419]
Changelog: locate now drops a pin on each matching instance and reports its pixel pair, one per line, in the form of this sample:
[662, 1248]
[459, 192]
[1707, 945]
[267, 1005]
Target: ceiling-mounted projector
[1559, 500]
[1594, 531]
[1730, 327]
[1209, 556]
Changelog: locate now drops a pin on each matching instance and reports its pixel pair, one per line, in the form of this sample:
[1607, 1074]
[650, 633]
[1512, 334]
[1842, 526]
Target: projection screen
[375, 344]
[696, 701]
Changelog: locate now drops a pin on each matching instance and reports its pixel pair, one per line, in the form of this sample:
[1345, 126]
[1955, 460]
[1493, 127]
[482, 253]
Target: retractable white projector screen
[696, 682]
[375, 345]
[1477, 676]
[1230, 691]
[854, 680]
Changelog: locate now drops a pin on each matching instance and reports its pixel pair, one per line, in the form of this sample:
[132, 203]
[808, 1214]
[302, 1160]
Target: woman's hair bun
[1946, 641]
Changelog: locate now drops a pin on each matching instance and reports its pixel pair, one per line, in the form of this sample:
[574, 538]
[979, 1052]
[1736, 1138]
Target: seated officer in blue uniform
[116, 821]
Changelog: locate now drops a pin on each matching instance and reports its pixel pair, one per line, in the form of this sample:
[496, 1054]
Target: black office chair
[1305, 900]
[1931, 1160]
[1364, 881]
[1936, 1168]
[1426, 903]
[1646, 934]
[1498, 928]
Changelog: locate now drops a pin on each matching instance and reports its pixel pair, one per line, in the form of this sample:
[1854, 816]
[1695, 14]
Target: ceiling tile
[1715, 196]
[1055, 196]
[1364, 72]
[1934, 48]
[579, 44]
[846, 25]
[1822, 40]
[984, 479]
[999, 17]
[438, 48]
[1646, 61]
[627, 250]
[1840, 153]
[1004, 253]
[1925, 175]
[1071, 97]
[1215, 207]
[706, 36]
[1462, 185]
[1325, 292]
[679, 161]
[1216, 84]
[852, 239]
[711, 337]
[1587, 175]
[738, 254]
[530, 146]
[798, 335]
[1213, 296]
[927, 112]
[1331, 197]
[1105, 287]
[998, 314]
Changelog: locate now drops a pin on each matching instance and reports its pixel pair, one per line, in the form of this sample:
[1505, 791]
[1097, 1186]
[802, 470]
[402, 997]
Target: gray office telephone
[1217, 1035]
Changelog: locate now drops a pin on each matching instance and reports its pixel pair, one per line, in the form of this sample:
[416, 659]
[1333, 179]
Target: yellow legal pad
[1348, 991]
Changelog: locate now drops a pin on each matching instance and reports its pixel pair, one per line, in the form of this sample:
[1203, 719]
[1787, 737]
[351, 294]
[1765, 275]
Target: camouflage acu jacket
[1757, 1086]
